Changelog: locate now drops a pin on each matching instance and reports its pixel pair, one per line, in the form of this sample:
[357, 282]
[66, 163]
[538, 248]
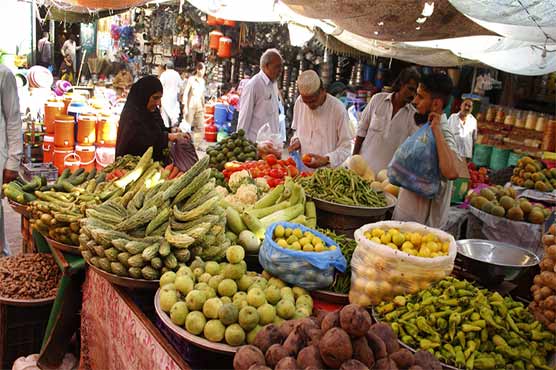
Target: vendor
[387, 121]
[432, 96]
[321, 124]
[464, 128]
[141, 124]
[259, 98]
[194, 98]
[122, 81]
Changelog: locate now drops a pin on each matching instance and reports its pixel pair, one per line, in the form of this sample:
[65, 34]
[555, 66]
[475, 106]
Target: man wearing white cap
[172, 85]
[321, 124]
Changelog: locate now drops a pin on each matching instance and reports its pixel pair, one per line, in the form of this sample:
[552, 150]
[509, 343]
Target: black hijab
[139, 128]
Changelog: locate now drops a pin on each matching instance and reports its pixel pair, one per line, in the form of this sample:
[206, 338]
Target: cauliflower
[239, 178]
[247, 194]
[262, 185]
[222, 191]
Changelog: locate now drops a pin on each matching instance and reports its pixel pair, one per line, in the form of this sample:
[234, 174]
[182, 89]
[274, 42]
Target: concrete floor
[12, 226]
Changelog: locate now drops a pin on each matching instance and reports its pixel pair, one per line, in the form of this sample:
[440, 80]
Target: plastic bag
[183, 154]
[269, 142]
[415, 164]
[298, 162]
[309, 270]
[379, 273]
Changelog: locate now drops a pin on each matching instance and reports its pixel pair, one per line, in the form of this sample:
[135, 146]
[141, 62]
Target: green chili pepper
[485, 363]
[470, 363]
[453, 322]
[461, 338]
[441, 323]
[460, 358]
[519, 365]
[484, 335]
[486, 314]
[467, 328]
[427, 344]
[512, 324]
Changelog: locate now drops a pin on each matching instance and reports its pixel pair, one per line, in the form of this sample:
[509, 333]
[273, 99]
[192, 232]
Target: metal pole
[33, 33]
[52, 35]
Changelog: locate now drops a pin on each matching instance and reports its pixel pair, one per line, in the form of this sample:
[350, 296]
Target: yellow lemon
[424, 252]
[308, 234]
[319, 247]
[282, 243]
[295, 246]
[367, 234]
[371, 288]
[398, 239]
[434, 247]
[288, 232]
[308, 248]
[377, 232]
[279, 231]
[332, 248]
[298, 233]
[429, 238]
[392, 245]
[304, 241]
[445, 247]
[386, 238]
[376, 240]
[416, 239]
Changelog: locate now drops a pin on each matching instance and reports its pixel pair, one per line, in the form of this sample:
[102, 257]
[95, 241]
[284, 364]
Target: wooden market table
[27, 242]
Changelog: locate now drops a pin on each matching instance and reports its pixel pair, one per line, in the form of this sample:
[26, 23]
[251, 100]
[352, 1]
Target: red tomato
[271, 159]
[290, 161]
[292, 170]
[273, 182]
[307, 159]
[277, 173]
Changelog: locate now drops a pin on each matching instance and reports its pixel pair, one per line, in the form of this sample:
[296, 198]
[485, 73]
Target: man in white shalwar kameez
[172, 85]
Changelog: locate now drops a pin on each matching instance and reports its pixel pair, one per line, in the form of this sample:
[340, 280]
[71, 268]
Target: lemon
[377, 232]
[407, 246]
[445, 247]
[319, 247]
[392, 245]
[282, 243]
[292, 239]
[416, 239]
[424, 252]
[308, 248]
[308, 234]
[295, 246]
[298, 233]
[392, 232]
[376, 240]
[287, 232]
[279, 231]
[398, 239]
[434, 247]
[368, 235]
[304, 241]
[386, 238]
[332, 248]
[429, 238]
[317, 240]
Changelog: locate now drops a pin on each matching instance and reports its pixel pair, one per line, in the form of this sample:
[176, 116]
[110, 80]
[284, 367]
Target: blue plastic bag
[415, 164]
[298, 162]
[309, 270]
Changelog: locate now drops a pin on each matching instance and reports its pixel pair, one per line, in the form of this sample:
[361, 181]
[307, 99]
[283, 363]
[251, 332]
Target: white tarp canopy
[518, 49]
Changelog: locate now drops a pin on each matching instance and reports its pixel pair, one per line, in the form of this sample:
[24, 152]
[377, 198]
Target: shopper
[194, 98]
[259, 98]
[66, 69]
[70, 48]
[388, 119]
[141, 124]
[122, 81]
[432, 96]
[44, 50]
[321, 124]
[11, 142]
[464, 128]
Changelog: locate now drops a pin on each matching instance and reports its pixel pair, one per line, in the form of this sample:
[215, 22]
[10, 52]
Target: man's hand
[295, 144]
[9, 176]
[318, 161]
[434, 119]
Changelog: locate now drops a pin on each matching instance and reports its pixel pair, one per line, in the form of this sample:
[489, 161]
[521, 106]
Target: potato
[547, 264]
[332, 319]
[550, 302]
[362, 352]
[537, 296]
[549, 279]
[287, 327]
[259, 367]
[427, 360]
[548, 239]
[545, 292]
[319, 315]
[552, 327]
[537, 280]
[335, 348]
[294, 342]
[534, 288]
[552, 229]
[377, 345]
[287, 363]
[551, 251]
[353, 365]
[268, 336]
[309, 357]
[385, 332]
[550, 315]
[248, 356]
[274, 354]
[403, 358]
[416, 367]
[386, 364]
[355, 320]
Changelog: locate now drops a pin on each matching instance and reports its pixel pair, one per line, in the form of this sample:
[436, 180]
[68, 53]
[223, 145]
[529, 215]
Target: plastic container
[541, 121]
[72, 161]
[104, 156]
[47, 148]
[512, 159]
[211, 132]
[64, 127]
[212, 21]
[531, 121]
[549, 137]
[86, 130]
[499, 158]
[51, 110]
[510, 118]
[500, 116]
[520, 119]
[224, 47]
[107, 131]
[229, 23]
[59, 157]
[48, 170]
[87, 156]
[230, 113]
[220, 113]
[67, 100]
[481, 155]
[214, 38]
[491, 113]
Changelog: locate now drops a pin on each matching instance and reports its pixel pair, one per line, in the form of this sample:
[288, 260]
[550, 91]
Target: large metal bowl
[494, 262]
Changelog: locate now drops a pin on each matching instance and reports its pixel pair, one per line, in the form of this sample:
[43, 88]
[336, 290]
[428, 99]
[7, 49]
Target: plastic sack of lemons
[406, 258]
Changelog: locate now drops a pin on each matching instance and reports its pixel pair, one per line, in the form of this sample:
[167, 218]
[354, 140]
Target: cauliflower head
[239, 178]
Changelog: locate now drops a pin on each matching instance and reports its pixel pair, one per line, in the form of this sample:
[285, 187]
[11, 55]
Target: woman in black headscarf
[141, 124]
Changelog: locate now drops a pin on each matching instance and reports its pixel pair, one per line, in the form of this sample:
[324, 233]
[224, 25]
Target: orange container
[224, 47]
[86, 155]
[211, 132]
[229, 23]
[67, 101]
[47, 148]
[209, 108]
[72, 161]
[104, 156]
[64, 131]
[107, 131]
[212, 21]
[59, 157]
[86, 130]
[214, 37]
[51, 110]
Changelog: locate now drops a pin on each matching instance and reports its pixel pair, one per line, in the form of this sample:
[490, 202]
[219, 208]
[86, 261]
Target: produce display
[225, 303]
[379, 182]
[234, 148]
[532, 174]
[342, 186]
[477, 176]
[271, 169]
[172, 171]
[297, 240]
[502, 202]
[155, 224]
[29, 276]
[346, 340]
[469, 327]
[414, 243]
[342, 280]
[544, 284]
[382, 183]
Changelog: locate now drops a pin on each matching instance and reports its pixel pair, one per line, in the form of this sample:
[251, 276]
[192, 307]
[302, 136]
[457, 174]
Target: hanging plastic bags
[269, 142]
[310, 270]
[415, 164]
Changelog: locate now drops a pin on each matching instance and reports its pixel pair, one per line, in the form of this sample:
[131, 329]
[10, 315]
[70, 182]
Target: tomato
[290, 161]
[271, 159]
[272, 182]
[277, 173]
[307, 158]
[292, 171]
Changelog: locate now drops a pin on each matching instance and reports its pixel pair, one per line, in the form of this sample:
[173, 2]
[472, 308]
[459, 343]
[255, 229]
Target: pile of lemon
[413, 243]
[297, 240]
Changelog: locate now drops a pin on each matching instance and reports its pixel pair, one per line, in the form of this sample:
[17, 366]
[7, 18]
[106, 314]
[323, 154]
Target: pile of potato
[345, 340]
[544, 287]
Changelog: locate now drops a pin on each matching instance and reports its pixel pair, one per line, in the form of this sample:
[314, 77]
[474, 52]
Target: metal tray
[126, 282]
[193, 339]
[497, 253]
[19, 208]
[73, 249]
[346, 210]
[331, 297]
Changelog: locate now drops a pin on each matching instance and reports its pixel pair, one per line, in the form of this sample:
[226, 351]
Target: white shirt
[11, 138]
[194, 94]
[324, 131]
[383, 133]
[430, 212]
[259, 105]
[464, 133]
[172, 85]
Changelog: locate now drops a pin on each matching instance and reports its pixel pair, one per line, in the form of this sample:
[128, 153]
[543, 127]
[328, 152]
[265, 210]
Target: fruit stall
[251, 263]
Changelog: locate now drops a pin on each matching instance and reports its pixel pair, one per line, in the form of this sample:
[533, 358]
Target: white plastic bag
[269, 142]
[379, 273]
